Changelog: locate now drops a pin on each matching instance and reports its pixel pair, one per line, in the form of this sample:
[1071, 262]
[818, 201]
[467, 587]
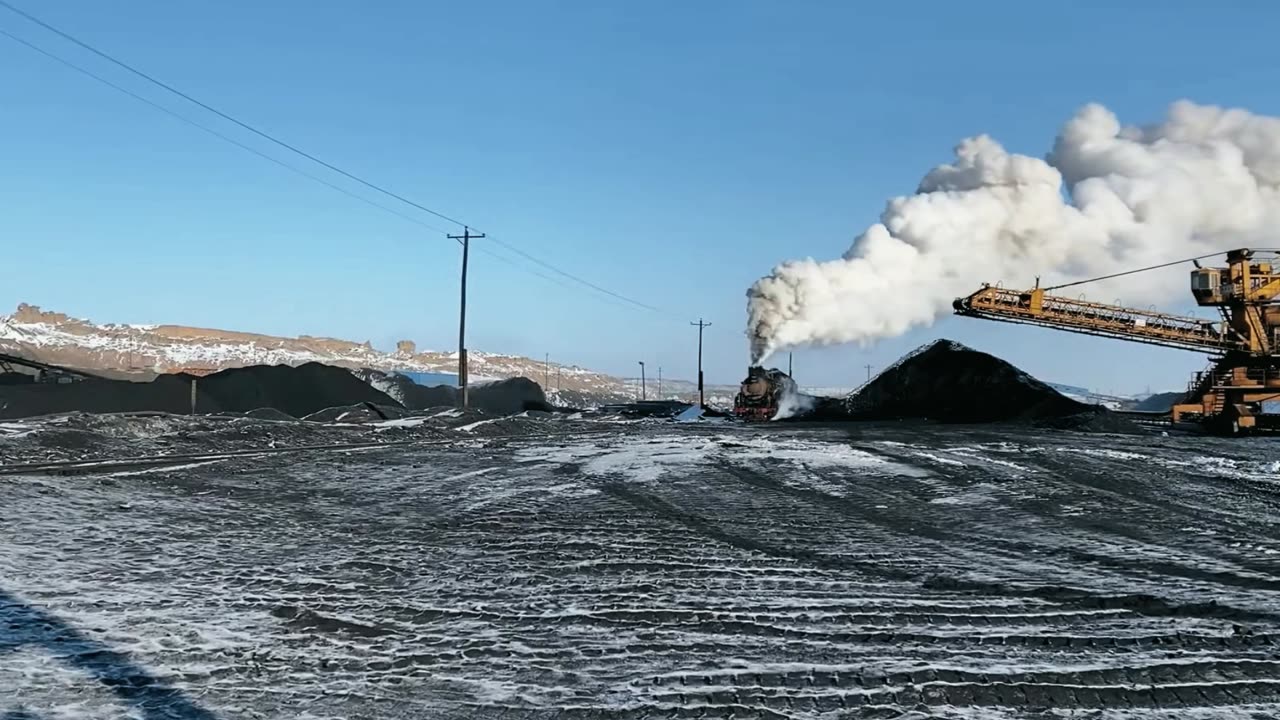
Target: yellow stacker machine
[1245, 344]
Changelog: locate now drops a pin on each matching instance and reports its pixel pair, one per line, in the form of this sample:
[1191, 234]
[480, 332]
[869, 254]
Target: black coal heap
[949, 382]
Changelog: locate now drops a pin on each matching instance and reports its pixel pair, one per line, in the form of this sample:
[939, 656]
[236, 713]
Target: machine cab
[1206, 286]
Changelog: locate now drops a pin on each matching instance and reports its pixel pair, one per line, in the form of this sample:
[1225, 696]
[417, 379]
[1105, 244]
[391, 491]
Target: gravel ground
[648, 570]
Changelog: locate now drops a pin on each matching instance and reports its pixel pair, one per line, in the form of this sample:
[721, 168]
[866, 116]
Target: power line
[215, 133]
[531, 271]
[219, 113]
[571, 276]
[1126, 272]
[292, 148]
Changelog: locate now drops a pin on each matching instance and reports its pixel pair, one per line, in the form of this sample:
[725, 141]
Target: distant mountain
[146, 350]
[1160, 402]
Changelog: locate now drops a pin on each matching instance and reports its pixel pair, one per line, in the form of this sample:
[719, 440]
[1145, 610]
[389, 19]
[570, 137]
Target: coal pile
[1094, 420]
[504, 397]
[511, 396]
[949, 382]
[646, 409]
[167, 393]
[297, 391]
[359, 413]
[294, 391]
[1160, 402]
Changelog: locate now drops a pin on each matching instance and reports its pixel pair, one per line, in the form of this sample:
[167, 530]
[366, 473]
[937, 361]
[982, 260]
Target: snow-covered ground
[524, 568]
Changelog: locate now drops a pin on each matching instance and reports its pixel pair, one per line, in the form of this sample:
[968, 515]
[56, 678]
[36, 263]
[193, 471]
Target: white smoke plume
[794, 403]
[1206, 179]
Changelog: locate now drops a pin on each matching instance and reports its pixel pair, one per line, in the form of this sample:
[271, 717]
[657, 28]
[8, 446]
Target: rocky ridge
[147, 350]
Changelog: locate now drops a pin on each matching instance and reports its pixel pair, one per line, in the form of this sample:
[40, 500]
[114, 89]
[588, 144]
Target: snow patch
[165, 468]
[400, 422]
[472, 426]
[648, 460]
[693, 412]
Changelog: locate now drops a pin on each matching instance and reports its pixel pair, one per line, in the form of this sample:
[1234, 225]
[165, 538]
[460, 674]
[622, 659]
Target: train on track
[761, 392]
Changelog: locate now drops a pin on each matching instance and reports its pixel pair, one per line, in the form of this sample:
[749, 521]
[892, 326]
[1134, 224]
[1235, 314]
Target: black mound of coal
[1097, 420]
[504, 397]
[268, 414]
[949, 382]
[511, 396]
[94, 395]
[421, 397]
[295, 391]
[646, 408]
[359, 413]
[1160, 402]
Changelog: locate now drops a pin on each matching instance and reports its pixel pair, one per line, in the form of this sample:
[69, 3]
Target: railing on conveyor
[1034, 307]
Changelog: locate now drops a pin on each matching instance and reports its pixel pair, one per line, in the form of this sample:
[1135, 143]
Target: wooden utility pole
[789, 373]
[465, 237]
[643, 394]
[702, 398]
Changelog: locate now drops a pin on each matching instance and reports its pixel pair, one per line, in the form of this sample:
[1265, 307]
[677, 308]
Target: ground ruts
[661, 570]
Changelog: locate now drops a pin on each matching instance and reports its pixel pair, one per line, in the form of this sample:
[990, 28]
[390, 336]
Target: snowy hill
[57, 339]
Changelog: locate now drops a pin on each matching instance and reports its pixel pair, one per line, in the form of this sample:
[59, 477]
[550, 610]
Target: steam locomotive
[758, 397]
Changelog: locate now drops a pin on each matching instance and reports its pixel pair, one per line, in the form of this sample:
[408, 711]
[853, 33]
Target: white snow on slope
[61, 340]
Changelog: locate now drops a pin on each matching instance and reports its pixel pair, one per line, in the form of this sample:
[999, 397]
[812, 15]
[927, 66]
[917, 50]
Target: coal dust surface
[549, 567]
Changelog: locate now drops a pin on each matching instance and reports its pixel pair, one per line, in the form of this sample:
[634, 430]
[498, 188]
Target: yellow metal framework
[1245, 343]
[1035, 307]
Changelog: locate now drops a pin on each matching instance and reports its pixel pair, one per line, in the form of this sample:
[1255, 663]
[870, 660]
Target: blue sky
[673, 152]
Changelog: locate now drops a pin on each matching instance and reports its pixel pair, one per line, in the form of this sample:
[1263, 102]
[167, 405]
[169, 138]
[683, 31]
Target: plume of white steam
[1206, 179]
[794, 403]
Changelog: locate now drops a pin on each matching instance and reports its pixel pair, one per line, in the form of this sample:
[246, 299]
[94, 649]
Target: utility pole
[465, 237]
[868, 367]
[702, 399]
[789, 373]
[643, 395]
